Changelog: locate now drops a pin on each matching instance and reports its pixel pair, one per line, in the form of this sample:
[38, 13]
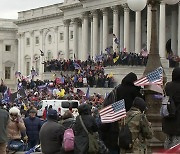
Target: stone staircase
[119, 73]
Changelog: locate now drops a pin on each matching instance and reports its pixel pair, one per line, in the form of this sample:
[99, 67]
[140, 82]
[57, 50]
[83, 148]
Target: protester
[139, 126]
[127, 91]
[15, 126]
[68, 122]
[33, 126]
[51, 134]
[3, 128]
[81, 137]
[171, 126]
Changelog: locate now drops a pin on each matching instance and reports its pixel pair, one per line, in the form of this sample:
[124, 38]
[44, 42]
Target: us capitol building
[79, 28]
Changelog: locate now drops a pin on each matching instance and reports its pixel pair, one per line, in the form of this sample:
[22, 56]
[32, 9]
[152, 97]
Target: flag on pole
[77, 66]
[155, 77]
[113, 112]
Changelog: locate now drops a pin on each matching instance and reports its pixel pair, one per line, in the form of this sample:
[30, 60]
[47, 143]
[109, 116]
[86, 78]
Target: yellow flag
[115, 59]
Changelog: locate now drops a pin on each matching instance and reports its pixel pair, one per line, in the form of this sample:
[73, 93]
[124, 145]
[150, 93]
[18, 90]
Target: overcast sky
[9, 8]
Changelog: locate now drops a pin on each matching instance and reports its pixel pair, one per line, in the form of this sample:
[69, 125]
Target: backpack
[125, 135]
[68, 140]
[168, 108]
[93, 140]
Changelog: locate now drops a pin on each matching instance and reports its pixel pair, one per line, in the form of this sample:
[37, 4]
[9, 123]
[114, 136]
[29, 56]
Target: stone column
[138, 32]
[85, 36]
[115, 27]
[32, 49]
[101, 36]
[19, 51]
[23, 43]
[56, 41]
[149, 19]
[121, 31]
[75, 37]
[41, 68]
[162, 31]
[91, 52]
[95, 33]
[105, 29]
[80, 45]
[1, 61]
[66, 39]
[174, 30]
[179, 29]
[126, 28]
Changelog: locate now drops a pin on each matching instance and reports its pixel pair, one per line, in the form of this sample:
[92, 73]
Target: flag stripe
[113, 115]
[154, 77]
[113, 112]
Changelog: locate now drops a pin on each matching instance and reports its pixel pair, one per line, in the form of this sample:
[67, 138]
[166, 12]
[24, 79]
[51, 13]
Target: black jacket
[81, 137]
[127, 91]
[172, 126]
[51, 137]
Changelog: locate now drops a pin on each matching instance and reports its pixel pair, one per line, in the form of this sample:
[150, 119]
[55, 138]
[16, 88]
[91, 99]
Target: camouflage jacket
[139, 127]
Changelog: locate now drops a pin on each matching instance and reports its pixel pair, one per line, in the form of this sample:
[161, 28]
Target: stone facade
[8, 51]
[82, 28]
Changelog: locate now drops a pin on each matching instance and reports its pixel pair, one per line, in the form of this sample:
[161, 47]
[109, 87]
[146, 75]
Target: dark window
[27, 41]
[7, 72]
[8, 48]
[69, 104]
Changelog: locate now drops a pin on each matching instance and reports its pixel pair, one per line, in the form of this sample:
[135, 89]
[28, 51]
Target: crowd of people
[20, 121]
[122, 58]
[87, 75]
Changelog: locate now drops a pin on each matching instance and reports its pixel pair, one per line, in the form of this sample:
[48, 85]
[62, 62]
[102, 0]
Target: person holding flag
[139, 126]
[127, 91]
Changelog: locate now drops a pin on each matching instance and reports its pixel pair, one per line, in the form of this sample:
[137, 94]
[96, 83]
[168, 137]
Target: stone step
[120, 72]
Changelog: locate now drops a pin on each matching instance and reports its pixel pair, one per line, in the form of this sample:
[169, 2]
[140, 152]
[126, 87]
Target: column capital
[95, 13]
[105, 11]
[66, 22]
[126, 8]
[22, 34]
[85, 15]
[79, 21]
[74, 20]
[162, 2]
[18, 35]
[115, 9]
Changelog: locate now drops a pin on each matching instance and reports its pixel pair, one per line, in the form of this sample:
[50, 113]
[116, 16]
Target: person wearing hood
[15, 126]
[171, 127]
[139, 126]
[127, 91]
[81, 137]
[33, 126]
[68, 122]
[4, 117]
[51, 143]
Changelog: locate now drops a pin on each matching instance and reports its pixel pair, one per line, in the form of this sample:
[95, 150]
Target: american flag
[155, 77]
[113, 112]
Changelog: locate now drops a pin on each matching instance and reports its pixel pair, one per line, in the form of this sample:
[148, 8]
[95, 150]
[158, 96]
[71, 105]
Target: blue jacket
[33, 126]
